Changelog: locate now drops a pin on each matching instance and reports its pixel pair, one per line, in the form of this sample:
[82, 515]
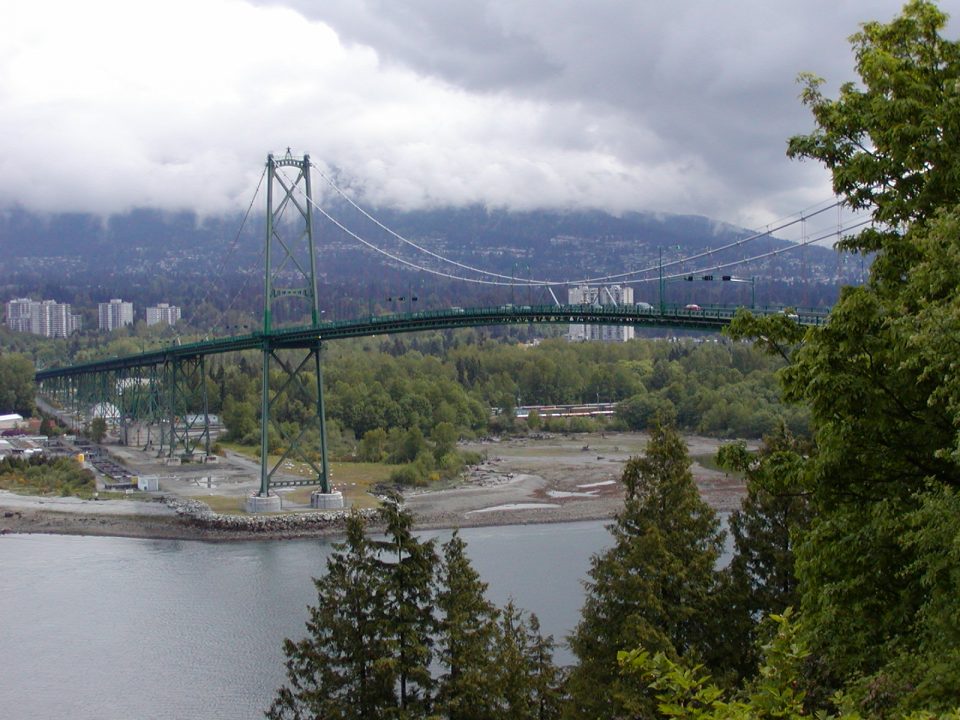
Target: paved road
[12, 501]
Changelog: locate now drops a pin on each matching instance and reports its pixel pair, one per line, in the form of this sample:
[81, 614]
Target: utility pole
[660, 291]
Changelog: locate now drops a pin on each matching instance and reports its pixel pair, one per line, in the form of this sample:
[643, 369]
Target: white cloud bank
[111, 104]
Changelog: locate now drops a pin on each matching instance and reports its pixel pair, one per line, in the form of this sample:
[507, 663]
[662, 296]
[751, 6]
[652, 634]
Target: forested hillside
[213, 267]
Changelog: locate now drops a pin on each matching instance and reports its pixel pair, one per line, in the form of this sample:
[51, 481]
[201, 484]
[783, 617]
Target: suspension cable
[803, 216]
[232, 248]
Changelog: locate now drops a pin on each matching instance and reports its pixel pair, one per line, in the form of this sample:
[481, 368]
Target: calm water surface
[101, 628]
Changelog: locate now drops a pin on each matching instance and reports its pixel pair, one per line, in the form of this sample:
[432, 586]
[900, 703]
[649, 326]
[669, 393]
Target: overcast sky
[681, 107]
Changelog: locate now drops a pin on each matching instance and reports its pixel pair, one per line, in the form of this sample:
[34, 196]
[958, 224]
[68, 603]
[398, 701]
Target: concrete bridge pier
[332, 500]
[263, 503]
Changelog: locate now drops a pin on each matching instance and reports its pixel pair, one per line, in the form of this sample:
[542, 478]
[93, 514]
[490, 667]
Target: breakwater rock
[290, 524]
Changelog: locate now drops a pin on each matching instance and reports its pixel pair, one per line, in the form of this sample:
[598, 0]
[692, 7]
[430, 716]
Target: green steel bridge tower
[290, 280]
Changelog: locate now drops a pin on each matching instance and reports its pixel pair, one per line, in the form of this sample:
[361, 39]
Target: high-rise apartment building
[163, 313]
[115, 314]
[615, 295]
[18, 314]
[41, 317]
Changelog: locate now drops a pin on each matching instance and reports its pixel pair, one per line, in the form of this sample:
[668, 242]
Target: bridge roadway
[708, 317]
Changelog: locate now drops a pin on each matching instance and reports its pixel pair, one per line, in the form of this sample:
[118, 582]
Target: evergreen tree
[761, 579]
[547, 678]
[406, 567]
[466, 641]
[515, 691]
[653, 587]
[528, 685]
[342, 668]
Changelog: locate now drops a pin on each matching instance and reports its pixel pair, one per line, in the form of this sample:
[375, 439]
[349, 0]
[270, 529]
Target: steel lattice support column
[91, 388]
[140, 401]
[60, 392]
[296, 386]
[187, 409]
[291, 278]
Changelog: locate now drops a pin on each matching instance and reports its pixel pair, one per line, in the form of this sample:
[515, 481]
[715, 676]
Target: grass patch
[248, 450]
[224, 504]
[353, 479]
[708, 461]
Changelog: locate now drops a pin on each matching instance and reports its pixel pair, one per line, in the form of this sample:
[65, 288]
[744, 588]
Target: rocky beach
[545, 479]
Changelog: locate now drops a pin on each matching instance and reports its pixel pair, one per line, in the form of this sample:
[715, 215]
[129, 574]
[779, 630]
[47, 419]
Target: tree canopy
[881, 379]
[398, 633]
[16, 384]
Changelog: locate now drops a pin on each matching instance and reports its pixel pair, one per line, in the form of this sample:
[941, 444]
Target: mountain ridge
[149, 256]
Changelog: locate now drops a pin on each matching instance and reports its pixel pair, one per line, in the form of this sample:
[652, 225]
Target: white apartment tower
[18, 314]
[42, 317]
[607, 295]
[163, 313]
[115, 313]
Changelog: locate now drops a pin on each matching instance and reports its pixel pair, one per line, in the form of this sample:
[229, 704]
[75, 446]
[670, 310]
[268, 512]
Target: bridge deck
[709, 318]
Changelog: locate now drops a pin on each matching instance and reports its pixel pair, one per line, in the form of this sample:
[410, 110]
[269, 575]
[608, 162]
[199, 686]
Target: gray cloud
[611, 104]
[709, 86]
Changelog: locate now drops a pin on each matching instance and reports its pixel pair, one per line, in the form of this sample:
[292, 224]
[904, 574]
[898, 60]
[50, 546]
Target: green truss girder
[188, 414]
[298, 381]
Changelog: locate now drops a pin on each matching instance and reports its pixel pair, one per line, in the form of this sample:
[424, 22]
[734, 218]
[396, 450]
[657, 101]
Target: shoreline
[27, 517]
[544, 480]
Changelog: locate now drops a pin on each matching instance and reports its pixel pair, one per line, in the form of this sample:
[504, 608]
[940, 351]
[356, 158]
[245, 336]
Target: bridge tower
[291, 374]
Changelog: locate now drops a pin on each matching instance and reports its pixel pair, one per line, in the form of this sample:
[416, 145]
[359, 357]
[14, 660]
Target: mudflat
[539, 479]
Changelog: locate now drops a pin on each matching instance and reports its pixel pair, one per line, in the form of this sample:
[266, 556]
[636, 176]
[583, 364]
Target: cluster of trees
[717, 388]
[38, 475]
[16, 384]
[724, 388]
[409, 400]
[877, 565]
[400, 630]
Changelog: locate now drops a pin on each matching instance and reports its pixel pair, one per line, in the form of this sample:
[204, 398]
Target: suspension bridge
[166, 389]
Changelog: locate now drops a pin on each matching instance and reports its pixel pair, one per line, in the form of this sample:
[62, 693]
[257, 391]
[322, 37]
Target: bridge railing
[702, 316]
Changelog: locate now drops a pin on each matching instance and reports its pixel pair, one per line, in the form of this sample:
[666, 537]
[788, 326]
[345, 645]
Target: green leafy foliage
[880, 378]
[689, 693]
[38, 475]
[16, 384]
[761, 578]
[725, 389]
[97, 430]
[686, 692]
